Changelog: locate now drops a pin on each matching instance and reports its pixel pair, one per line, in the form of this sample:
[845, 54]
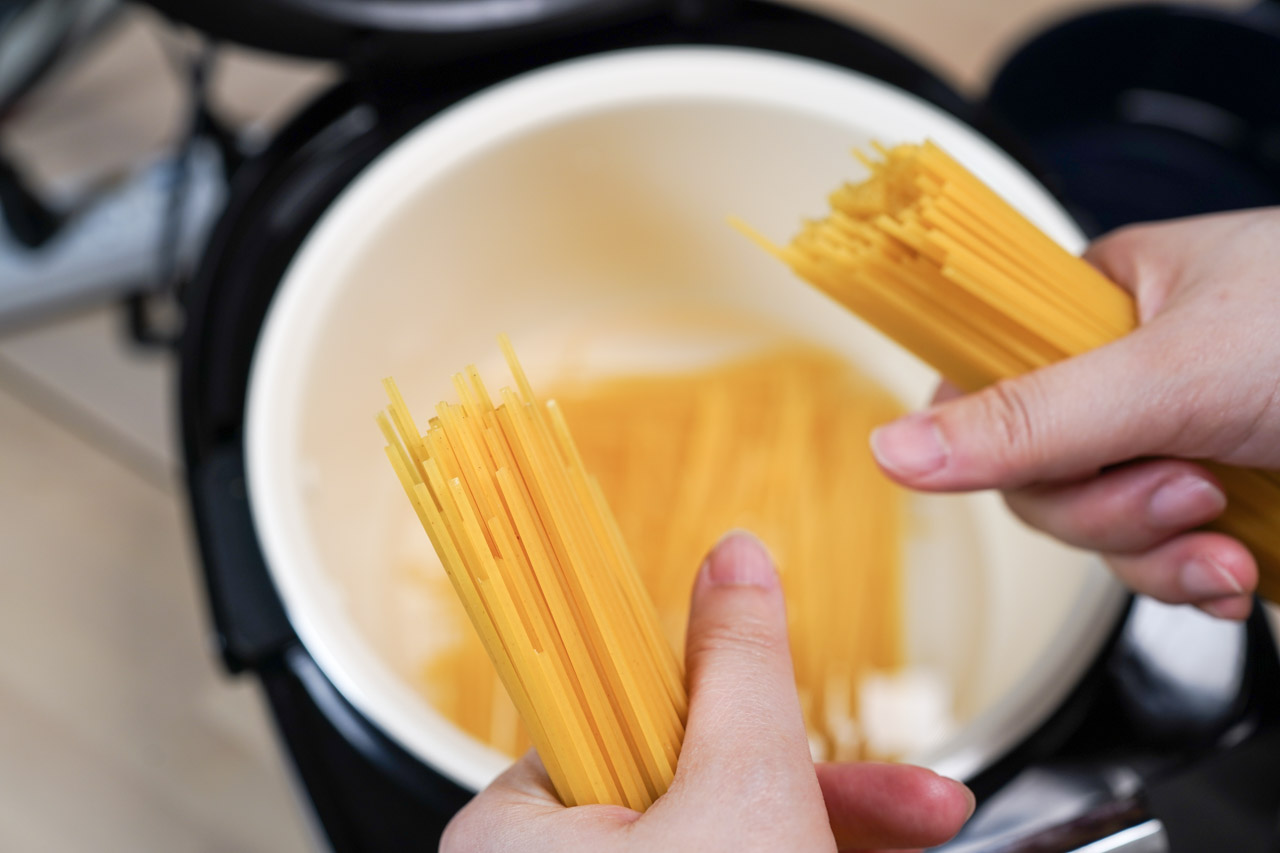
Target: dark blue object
[1150, 112]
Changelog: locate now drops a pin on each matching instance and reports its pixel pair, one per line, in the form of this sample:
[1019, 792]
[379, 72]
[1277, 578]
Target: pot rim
[631, 77]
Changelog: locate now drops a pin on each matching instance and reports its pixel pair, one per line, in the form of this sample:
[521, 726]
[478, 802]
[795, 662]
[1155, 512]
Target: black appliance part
[1151, 112]
[370, 794]
[401, 32]
[28, 219]
[1209, 771]
[346, 765]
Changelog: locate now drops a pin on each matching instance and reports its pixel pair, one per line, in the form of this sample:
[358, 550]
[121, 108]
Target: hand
[1072, 445]
[745, 781]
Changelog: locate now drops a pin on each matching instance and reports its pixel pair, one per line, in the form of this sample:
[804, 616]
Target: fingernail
[1203, 577]
[973, 801]
[1184, 501]
[910, 447]
[740, 559]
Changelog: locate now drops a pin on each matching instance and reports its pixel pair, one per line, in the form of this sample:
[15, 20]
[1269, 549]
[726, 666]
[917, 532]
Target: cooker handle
[249, 621]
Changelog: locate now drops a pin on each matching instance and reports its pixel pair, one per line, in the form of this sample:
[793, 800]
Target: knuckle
[751, 636]
[1008, 412]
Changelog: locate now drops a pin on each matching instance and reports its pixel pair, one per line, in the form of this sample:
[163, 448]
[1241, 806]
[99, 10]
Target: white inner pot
[582, 208]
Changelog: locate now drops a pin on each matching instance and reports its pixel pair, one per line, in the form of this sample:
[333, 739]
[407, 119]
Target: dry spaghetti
[935, 259]
[537, 560]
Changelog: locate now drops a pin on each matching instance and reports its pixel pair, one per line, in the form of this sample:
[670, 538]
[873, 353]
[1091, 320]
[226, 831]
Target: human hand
[1081, 448]
[745, 781]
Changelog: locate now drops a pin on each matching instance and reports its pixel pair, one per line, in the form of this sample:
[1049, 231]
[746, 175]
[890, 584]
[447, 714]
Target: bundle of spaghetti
[935, 259]
[537, 560]
[774, 442]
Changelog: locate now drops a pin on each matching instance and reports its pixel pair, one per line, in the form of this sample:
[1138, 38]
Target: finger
[745, 737]
[1064, 422]
[892, 805]
[1235, 608]
[1210, 570]
[945, 391]
[1124, 510]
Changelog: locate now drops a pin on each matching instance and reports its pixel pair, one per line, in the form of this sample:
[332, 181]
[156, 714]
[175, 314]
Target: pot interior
[582, 209]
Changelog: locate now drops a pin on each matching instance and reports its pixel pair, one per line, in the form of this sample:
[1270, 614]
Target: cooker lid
[381, 29]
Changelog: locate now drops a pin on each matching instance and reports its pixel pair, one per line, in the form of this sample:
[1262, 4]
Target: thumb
[1062, 422]
[745, 726]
